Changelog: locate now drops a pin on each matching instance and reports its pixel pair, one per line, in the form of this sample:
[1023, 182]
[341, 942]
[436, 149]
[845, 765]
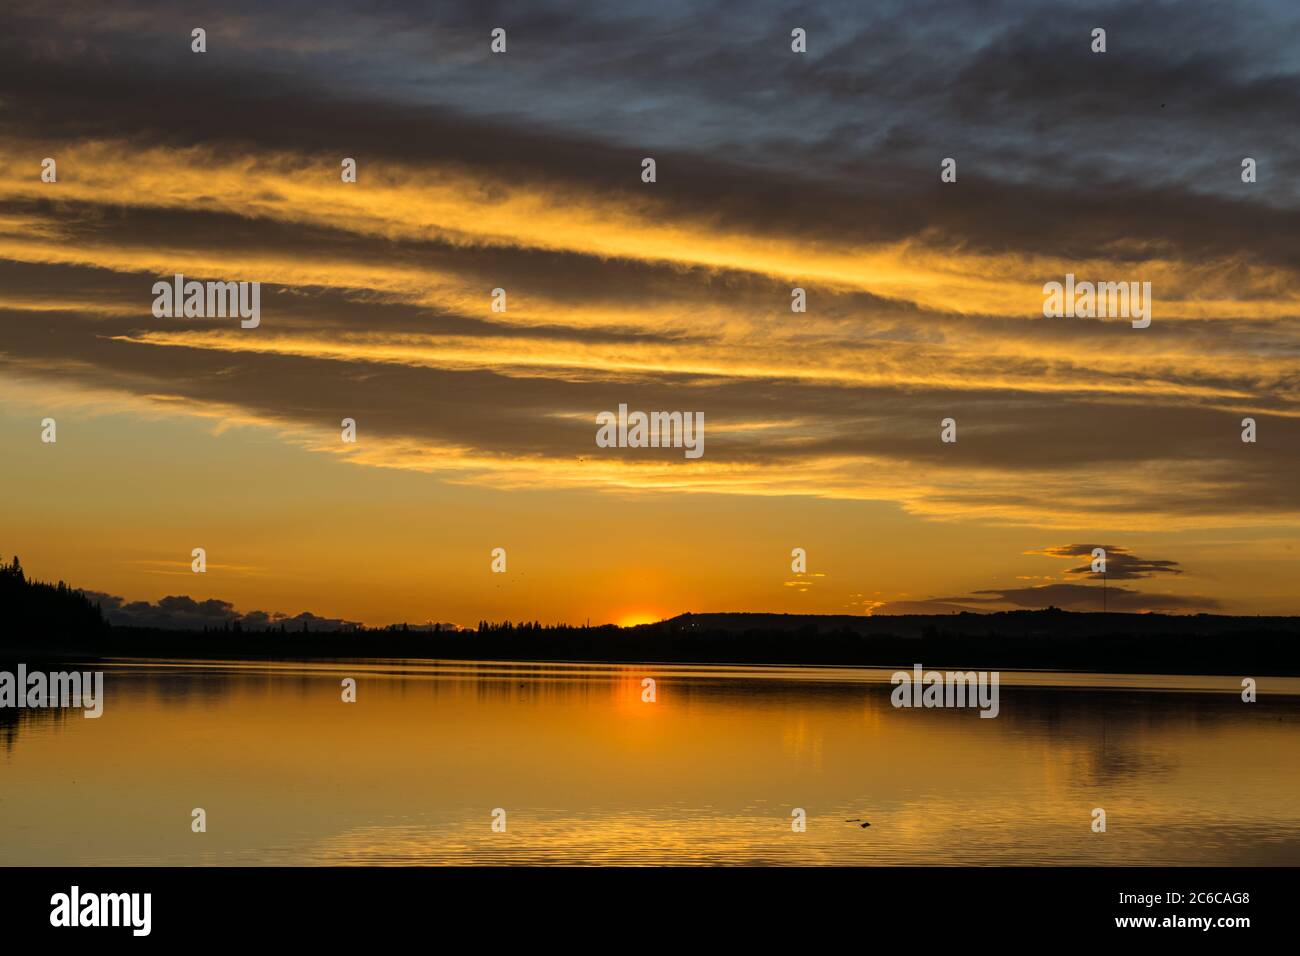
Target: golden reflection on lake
[589, 773]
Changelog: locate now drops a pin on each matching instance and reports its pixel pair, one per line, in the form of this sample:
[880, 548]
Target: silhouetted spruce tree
[33, 611]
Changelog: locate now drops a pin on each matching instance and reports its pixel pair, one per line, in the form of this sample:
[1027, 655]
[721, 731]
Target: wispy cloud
[775, 171]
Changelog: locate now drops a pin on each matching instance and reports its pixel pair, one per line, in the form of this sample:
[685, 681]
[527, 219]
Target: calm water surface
[588, 773]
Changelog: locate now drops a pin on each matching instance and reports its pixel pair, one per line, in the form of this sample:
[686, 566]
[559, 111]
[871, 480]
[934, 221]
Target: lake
[587, 772]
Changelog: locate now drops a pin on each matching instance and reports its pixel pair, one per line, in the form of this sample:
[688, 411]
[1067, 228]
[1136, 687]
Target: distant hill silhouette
[1049, 623]
[44, 620]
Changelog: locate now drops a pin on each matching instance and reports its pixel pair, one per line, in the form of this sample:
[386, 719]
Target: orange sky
[476, 428]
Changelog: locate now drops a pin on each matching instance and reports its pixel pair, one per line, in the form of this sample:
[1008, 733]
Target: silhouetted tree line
[53, 619]
[44, 611]
[523, 627]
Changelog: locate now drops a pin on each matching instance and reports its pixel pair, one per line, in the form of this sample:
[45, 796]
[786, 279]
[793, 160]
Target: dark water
[587, 772]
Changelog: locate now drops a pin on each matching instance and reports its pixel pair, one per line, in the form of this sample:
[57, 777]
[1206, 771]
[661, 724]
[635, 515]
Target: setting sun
[633, 618]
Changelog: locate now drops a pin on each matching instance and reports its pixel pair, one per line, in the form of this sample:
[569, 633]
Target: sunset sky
[775, 170]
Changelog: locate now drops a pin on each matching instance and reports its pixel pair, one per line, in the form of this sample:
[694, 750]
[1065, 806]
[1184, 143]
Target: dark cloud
[184, 613]
[1082, 597]
[516, 414]
[1012, 91]
[1121, 565]
[1134, 154]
